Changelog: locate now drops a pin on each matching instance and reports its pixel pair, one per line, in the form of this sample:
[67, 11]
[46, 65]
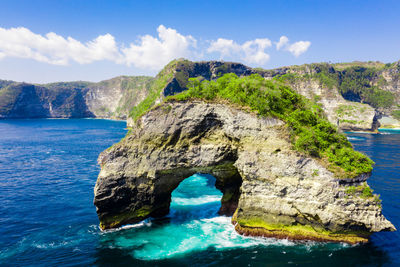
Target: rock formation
[21, 100]
[270, 189]
[309, 80]
[112, 98]
[126, 97]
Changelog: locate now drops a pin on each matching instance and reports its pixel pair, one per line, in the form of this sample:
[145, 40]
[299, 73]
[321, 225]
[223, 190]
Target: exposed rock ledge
[271, 189]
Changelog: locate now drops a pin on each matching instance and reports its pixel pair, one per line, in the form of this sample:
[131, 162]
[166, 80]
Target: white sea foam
[191, 229]
[196, 235]
[145, 223]
[362, 132]
[389, 129]
[355, 138]
[51, 245]
[196, 200]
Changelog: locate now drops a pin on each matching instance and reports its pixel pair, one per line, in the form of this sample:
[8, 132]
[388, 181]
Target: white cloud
[282, 42]
[55, 49]
[251, 51]
[154, 53]
[224, 46]
[299, 48]
[148, 52]
[296, 48]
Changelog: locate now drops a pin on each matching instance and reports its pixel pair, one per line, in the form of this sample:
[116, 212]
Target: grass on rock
[310, 131]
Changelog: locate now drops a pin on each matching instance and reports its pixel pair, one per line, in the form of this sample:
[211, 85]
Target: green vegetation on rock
[155, 89]
[258, 227]
[353, 81]
[396, 114]
[133, 87]
[363, 191]
[8, 96]
[60, 86]
[310, 132]
[118, 220]
[355, 84]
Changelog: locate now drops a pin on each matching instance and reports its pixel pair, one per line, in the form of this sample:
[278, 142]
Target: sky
[65, 40]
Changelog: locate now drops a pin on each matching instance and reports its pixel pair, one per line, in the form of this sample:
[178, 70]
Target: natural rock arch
[133, 188]
[282, 193]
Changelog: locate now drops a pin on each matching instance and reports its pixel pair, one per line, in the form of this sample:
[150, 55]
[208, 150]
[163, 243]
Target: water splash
[193, 225]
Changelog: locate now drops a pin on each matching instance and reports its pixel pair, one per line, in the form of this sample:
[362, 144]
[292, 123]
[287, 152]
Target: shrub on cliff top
[311, 133]
[155, 88]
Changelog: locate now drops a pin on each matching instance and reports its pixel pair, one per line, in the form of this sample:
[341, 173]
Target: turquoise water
[47, 173]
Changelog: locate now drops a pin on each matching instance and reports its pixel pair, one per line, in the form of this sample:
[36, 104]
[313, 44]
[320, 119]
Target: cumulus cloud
[299, 48]
[296, 48]
[251, 51]
[224, 46]
[149, 52]
[154, 53]
[55, 49]
[282, 42]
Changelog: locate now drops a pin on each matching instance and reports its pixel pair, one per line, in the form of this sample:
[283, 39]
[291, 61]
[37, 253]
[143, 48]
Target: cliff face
[270, 189]
[350, 106]
[355, 96]
[107, 99]
[29, 101]
[347, 115]
[350, 92]
[115, 98]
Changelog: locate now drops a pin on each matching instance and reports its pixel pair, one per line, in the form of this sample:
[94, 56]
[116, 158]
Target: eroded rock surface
[273, 190]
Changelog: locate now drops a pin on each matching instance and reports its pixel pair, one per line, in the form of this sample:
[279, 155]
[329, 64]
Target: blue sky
[111, 38]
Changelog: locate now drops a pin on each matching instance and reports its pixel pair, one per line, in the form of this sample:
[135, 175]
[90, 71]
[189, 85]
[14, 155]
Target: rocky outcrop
[271, 189]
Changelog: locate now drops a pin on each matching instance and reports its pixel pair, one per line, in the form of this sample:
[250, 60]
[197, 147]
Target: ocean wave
[181, 201]
[198, 235]
[52, 245]
[355, 138]
[145, 223]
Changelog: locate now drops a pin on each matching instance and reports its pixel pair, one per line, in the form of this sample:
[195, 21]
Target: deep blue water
[47, 173]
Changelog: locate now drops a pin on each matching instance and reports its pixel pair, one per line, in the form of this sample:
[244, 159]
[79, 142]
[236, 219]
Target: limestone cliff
[327, 84]
[112, 98]
[21, 100]
[270, 189]
[355, 96]
[115, 98]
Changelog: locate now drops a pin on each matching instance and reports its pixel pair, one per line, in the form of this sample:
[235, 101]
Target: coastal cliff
[355, 96]
[112, 98]
[358, 96]
[284, 171]
[22, 100]
[271, 189]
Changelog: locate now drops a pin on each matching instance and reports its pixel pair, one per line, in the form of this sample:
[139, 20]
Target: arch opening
[203, 196]
[195, 198]
[192, 224]
[224, 178]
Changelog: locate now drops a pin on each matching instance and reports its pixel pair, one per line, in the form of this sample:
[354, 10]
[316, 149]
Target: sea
[48, 169]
